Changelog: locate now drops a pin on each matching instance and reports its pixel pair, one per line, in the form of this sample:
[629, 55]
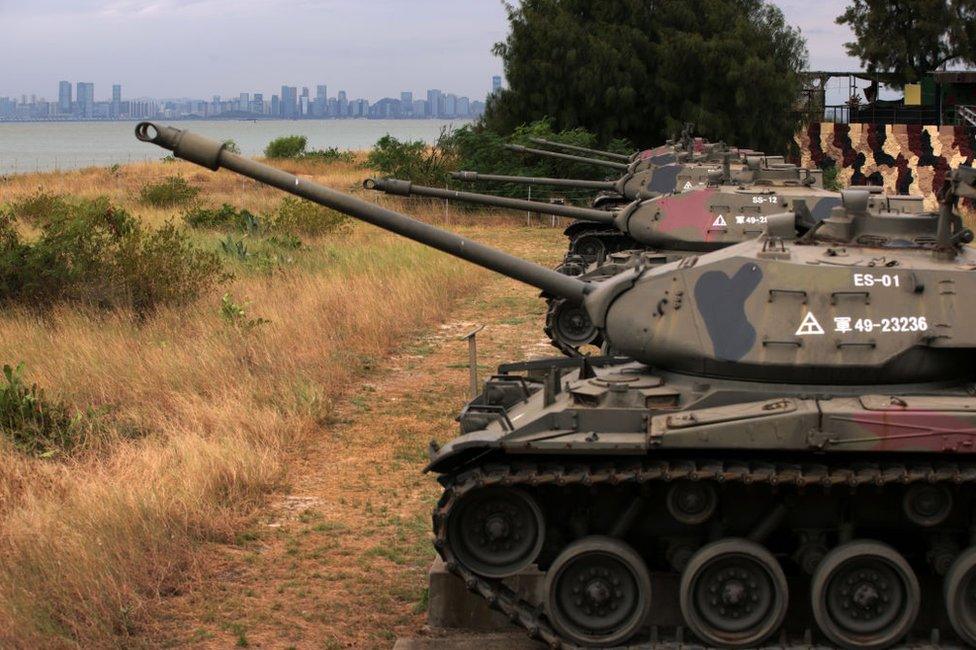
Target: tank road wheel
[692, 502]
[589, 247]
[733, 594]
[497, 531]
[960, 595]
[598, 592]
[570, 325]
[927, 505]
[864, 595]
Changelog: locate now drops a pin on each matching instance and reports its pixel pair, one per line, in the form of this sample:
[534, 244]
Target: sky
[369, 48]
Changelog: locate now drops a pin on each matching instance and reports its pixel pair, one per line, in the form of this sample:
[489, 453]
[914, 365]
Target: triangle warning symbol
[809, 326]
[720, 222]
[687, 185]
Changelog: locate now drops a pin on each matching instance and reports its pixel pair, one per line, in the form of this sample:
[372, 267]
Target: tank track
[613, 241]
[775, 474]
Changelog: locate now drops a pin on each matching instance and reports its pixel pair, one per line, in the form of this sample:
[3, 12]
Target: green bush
[830, 178]
[411, 160]
[222, 218]
[332, 154]
[93, 253]
[34, 424]
[173, 190]
[288, 146]
[37, 208]
[297, 217]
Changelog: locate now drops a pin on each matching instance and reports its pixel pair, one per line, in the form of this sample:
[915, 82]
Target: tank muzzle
[184, 144]
[389, 185]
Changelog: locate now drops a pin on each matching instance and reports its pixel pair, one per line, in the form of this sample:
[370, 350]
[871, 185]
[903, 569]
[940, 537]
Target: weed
[34, 424]
[235, 315]
[235, 248]
[173, 190]
[224, 217]
[231, 146]
[332, 154]
[38, 208]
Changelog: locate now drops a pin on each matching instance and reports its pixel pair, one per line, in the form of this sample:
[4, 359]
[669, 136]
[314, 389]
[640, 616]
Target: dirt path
[341, 559]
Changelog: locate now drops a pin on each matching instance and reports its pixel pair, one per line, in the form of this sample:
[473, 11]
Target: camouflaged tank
[787, 457]
[669, 227]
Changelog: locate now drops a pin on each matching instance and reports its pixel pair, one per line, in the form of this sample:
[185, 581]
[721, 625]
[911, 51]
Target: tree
[911, 37]
[640, 69]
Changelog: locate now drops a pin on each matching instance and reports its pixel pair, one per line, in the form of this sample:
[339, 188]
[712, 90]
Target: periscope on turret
[787, 453]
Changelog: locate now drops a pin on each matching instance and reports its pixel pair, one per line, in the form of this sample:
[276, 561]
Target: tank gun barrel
[406, 188]
[572, 147]
[574, 183]
[213, 155]
[565, 156]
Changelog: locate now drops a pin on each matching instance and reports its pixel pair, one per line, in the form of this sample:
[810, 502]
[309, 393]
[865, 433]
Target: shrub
[37, 208]
[297, 217]
[830, 178]
[94, 253]
[236, 314]
[288, 146]
[411, 160]
[34, 424]
[332, 154]
[173, 190]
[224, 217]
[231, 146]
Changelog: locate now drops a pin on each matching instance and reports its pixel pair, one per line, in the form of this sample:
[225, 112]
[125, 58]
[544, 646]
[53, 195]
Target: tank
[669, 178]
[670, 226]
[786, 456]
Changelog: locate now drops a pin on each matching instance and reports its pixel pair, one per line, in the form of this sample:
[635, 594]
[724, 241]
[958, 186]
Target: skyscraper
[289, 102]
[434, 103]
[343, 104]
[321, 96]
[64, 97]
[406, 104]
[86, 98]
[496, 84]
[116, 107]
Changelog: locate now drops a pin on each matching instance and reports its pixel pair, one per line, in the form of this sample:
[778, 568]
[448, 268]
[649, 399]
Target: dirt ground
[340, 559]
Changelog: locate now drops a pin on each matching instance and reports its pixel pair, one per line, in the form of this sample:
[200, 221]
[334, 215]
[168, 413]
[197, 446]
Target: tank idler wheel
[733, 594]
[571, 325]
[589, 247]
[497, 531]
[960, 595]
[865, 595]
[598, 592]
[692, 502]
[927, 505]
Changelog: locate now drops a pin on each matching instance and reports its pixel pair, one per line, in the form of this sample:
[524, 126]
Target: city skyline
[80, 101]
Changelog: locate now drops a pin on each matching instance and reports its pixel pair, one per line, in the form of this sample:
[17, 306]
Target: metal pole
[528, 214]
[472, 337]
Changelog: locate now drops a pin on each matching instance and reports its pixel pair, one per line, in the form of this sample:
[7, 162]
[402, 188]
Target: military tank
[671, 227]
[787, 457]
[667, 179]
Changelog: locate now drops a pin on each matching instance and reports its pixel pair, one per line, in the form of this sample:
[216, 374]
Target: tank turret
[787, 459]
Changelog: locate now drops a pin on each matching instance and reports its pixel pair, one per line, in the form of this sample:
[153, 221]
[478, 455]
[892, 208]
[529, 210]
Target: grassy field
[199, 412]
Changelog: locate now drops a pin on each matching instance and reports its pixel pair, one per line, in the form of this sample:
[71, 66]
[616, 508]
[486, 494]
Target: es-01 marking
[876, 280]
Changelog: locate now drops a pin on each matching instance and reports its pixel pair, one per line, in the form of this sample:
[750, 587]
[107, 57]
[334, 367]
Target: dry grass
[198, 414]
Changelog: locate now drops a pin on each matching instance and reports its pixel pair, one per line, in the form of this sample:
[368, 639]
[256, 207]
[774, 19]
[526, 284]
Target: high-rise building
[275, 106]
[406, 104]
[64, 97]
[257, 103]
[244, 102]
[435, 103]
[115, 108]
[450, 105]
[85, 95]
[343, 104]
[289, 102]
[496, 84]
[321, 97]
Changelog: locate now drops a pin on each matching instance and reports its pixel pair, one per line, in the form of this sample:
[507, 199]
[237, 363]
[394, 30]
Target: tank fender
[581, 226]
[621, 221]
[598, 301]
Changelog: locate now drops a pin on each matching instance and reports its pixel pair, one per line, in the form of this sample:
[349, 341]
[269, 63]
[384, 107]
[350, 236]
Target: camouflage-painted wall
[905, 159]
